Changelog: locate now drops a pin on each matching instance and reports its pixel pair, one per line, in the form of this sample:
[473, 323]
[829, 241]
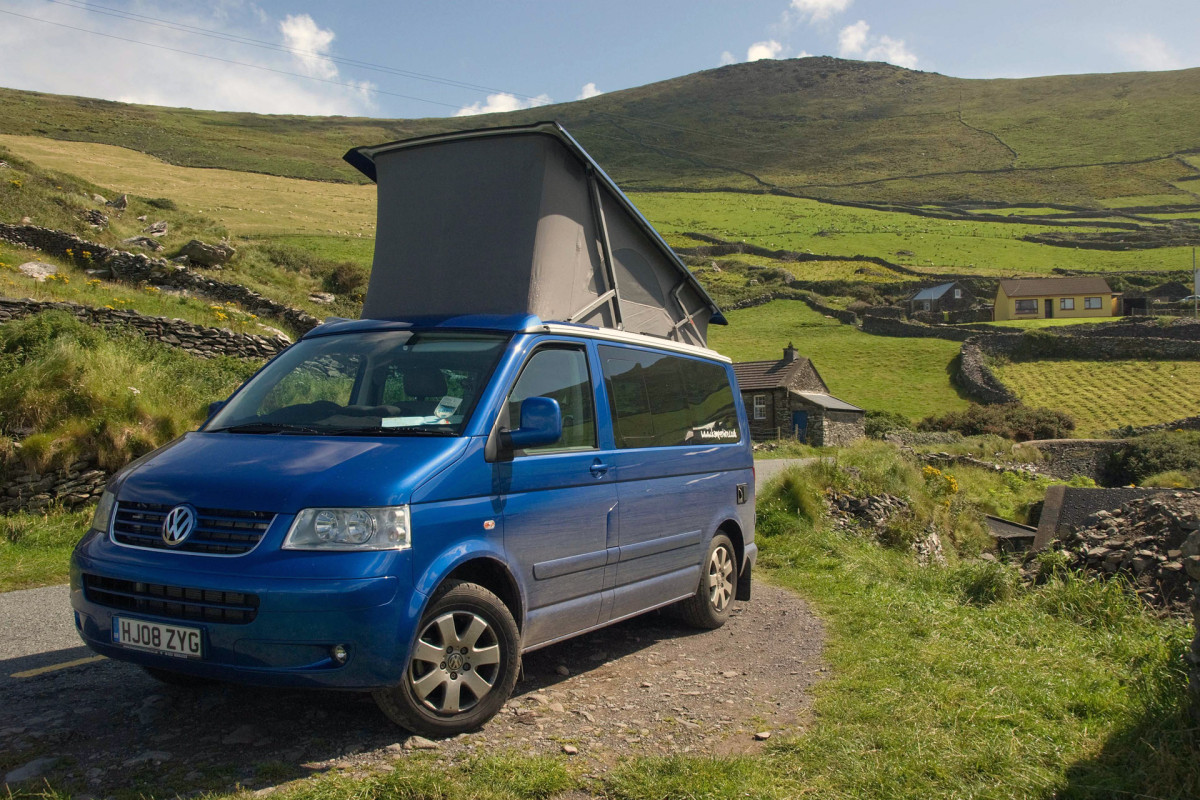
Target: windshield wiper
[397, 430]
[267, 427]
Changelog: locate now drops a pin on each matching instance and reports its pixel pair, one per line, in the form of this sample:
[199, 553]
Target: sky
[457, 57]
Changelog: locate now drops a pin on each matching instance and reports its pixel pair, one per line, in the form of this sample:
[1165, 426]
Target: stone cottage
[788, 399]
[952, 296]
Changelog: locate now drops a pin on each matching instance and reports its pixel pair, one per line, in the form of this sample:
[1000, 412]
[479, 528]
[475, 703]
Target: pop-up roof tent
[520, 220]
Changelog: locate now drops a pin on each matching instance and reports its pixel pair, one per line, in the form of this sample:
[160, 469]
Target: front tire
[463, 665]
[710, 607]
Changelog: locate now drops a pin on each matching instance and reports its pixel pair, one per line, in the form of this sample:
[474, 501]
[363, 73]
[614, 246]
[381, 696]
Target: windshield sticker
[447, 407]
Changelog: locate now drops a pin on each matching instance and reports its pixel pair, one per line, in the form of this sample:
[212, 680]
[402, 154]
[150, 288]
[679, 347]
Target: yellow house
[1045, 298]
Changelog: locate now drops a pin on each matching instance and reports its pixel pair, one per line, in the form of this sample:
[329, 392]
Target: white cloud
[728, 58]
[309, 44]
[502, 101]
[1147, 51]
[761, 50]
[589, 90]
[853, 39]
[58, 60]
[856, 41]
[892, 51]
[820, 10]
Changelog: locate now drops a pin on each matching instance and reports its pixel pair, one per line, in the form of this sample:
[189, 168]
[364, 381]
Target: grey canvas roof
[828, 401]
[520, 220]
[1036, 287]
[933, 292]
[767, 374]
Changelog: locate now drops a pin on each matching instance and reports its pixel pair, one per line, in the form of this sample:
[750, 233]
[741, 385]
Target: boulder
[38, 270]
[208, 255]
[323, 298]
[121, 203]
[157, 228]
[95, 218]
[144, 241]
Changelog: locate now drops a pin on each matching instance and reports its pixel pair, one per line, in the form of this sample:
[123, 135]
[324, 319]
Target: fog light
[339, 653]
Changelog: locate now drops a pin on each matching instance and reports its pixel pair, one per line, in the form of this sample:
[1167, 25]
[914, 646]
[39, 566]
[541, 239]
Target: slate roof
[767, 374]
[933, 292]
[828, 401]
[1039, 287]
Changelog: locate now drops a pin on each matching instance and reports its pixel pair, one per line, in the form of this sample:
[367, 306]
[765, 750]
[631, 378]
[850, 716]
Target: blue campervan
[406, 503]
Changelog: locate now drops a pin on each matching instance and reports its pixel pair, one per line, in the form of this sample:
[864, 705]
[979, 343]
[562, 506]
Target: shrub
[1155, 453]
[879, 423]
[1010, 420]
[163, 203]
[345, 278]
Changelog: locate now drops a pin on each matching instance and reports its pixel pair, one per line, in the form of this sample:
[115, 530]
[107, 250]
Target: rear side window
[661, 400]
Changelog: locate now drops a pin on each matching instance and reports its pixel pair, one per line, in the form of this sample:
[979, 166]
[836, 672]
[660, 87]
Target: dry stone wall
[977, 379]
[74, 486]
[138, 268]
[884, 326]
[195, 339]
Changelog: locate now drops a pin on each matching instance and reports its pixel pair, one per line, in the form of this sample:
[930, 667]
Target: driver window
[560, 374]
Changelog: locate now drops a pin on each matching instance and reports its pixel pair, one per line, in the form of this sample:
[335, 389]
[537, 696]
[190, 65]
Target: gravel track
[646, 686]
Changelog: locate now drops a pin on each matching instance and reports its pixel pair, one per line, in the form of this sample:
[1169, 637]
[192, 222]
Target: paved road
[767, 468]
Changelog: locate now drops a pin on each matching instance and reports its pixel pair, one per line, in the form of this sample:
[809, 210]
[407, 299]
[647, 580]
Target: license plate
[172, 640]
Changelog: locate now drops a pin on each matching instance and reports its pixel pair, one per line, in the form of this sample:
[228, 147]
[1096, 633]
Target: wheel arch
[495, 576]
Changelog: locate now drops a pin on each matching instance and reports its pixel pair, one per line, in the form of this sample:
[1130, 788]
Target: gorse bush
[68, 390]
[1155, 453]
[878, 423]
[1010, 420]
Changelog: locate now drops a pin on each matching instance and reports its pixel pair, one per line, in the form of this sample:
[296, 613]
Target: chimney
[789, 354]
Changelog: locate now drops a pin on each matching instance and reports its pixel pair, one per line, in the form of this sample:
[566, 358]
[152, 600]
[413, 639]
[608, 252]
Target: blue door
[800, 425]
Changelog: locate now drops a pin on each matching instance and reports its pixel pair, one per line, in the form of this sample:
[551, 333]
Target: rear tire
[710, 607]
[463, 665]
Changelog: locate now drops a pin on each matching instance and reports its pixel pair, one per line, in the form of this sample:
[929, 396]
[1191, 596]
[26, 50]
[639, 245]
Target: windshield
[379, 382]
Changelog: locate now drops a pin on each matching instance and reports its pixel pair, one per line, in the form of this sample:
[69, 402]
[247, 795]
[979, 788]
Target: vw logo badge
[178, 524]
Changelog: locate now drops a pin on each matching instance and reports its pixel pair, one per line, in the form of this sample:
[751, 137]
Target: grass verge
[35, 548]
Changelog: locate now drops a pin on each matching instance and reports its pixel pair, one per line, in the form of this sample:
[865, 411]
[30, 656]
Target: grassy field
[967, 246]
[246, 203]
[1103, 395]
[73, 285]
[35, 548]
[910, 376]
[819, 126]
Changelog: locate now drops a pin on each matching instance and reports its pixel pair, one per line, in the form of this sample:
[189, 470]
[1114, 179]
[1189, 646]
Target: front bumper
[287, 642]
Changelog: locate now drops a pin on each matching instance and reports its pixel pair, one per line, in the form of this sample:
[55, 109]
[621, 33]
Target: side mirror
[541, 423]
[213, 408]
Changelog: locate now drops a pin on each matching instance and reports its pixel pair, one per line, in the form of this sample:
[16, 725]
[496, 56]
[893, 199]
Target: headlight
[350, 529]
[104, 511]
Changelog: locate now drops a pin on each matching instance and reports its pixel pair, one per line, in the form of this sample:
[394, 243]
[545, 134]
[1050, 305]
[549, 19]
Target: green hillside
[818, 127]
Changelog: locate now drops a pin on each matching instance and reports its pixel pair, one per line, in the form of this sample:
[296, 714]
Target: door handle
[598, 468]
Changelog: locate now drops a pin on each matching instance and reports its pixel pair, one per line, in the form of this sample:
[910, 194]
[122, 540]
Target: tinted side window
[560, 374]
[661, 400]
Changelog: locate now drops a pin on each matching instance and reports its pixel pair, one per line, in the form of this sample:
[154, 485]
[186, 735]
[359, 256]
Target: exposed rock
[322, 298]
[150, 756]
[208, 255]
[420, 743]
[26, 772]
[38, 270]
[157, 228]
[144, 241]
[570, 749]
[1148, 540]
[99, 198]
[95, 218]
[121, 203]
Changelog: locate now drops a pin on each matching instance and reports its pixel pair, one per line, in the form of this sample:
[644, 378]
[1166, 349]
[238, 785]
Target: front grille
[176, 602]
[218, 531]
